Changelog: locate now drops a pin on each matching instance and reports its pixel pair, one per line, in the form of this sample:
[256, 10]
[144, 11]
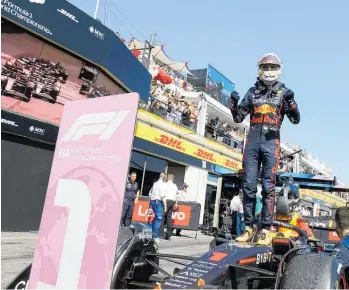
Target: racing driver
[267, 102]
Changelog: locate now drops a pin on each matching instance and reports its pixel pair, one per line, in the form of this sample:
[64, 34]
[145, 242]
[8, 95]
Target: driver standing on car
[342, 229]
[267, 102]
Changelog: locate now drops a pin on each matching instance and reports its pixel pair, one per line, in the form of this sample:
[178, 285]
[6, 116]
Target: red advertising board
[187, 216]
[80, 221]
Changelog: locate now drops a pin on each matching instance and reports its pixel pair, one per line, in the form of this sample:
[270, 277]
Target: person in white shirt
[182, 196]
[171, 202]
[237, 212]
[157, 198]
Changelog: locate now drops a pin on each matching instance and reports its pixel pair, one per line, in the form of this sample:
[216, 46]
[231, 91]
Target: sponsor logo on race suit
[274, 101]
[264, 109]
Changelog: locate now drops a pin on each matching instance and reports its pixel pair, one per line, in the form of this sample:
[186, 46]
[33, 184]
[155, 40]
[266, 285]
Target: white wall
[197, 180]
[179, 173]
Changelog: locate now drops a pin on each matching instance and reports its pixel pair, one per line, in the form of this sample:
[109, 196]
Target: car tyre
[313, 271]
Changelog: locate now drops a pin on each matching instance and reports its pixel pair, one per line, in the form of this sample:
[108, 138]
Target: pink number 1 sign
[80, 221]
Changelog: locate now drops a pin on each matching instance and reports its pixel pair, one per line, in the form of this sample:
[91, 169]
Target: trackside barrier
[186, 218]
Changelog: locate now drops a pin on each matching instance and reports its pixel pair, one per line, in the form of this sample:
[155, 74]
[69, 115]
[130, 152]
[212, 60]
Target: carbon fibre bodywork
[213, 268]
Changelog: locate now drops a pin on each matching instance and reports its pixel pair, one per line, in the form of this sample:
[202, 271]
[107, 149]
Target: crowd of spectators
[286, 165]
[167, 102]
[179, 81]
[222, 132]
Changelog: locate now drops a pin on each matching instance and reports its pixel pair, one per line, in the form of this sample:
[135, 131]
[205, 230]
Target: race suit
[342, 253]
[267, 107]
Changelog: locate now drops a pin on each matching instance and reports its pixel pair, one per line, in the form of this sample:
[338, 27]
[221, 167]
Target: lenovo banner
[187, 217]
[80, 221]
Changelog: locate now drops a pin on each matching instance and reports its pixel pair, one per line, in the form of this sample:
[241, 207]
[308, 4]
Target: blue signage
[67, 26]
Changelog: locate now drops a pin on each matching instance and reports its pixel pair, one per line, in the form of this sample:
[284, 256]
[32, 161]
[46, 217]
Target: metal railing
[166, 111]
[221, 136]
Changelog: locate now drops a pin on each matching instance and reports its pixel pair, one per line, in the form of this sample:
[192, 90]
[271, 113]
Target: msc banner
[80, 221]
[27, 127]
[187, 217]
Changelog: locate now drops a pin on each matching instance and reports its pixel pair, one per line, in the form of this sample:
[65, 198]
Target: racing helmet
[269, 68]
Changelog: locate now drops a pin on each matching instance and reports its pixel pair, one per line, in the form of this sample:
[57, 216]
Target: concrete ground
[17, 251]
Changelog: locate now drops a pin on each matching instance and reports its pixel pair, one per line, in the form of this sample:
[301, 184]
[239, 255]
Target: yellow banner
[165, 139]
[185, 130]
[324, 196]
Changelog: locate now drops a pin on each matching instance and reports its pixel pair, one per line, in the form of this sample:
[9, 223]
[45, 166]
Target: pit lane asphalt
[17, 251]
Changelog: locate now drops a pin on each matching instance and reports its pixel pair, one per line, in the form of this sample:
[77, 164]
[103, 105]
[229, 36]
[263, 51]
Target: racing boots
[246, 236]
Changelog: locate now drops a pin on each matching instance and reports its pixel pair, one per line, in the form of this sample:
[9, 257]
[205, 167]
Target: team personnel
[157, 198]
[182, 196]
[171, 205]
[342, 228]
[131, 197]
[237, 215]
[267, 102]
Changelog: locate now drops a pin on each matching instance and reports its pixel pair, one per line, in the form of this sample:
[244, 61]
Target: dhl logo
[171, 142]
[205, 155]
[264, 109]
[231, 164]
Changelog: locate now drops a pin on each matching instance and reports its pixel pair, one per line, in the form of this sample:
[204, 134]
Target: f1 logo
[102, 124]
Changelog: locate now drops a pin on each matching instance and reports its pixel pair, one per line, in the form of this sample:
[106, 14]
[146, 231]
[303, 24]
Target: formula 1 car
[291, 261]
[15, 81]
[135, 254]
[88, 73]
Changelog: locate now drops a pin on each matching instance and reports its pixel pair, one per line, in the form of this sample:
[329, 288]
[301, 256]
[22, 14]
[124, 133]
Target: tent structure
[159, 53]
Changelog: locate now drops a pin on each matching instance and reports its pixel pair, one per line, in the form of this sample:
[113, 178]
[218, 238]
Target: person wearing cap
[130, 198]
[158, 205]
[182, 196]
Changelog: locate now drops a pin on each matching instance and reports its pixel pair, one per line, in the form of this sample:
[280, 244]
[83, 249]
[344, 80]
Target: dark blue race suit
[267, 106]
[342, 253]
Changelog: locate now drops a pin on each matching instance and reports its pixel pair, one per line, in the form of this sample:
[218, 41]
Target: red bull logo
[264, 109]
[265, 119]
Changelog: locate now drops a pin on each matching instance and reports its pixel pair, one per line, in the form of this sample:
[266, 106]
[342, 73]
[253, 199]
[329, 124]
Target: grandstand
[174, 96]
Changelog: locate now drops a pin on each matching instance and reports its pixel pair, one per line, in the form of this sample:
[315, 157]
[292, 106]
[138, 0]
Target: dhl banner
[187, 217]
[324, 196]
[165, 139]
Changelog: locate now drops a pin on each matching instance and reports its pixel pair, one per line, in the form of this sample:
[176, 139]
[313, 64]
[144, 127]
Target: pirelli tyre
[313, 271]
[130, 256]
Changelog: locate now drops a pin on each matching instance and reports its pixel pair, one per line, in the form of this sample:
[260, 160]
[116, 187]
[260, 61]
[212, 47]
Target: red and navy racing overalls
[267, 106]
